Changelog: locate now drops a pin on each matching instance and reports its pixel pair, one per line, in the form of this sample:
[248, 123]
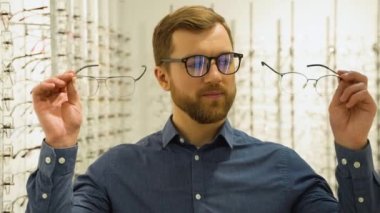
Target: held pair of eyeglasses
[293, 82]
[88, 84]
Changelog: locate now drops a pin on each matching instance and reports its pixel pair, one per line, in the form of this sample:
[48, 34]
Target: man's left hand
[352, 110]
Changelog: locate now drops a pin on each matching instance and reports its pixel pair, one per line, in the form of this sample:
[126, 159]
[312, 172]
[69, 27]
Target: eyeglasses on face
[198, 65]
[117, 86]
[293, 82]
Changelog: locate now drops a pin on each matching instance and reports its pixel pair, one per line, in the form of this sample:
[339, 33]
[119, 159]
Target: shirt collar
[169, 132]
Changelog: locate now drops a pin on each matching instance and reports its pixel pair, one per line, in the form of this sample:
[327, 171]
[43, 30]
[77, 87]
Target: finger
[51, 86]
[338, 92]
[352, 89]
[362, 96]
[72, 93]
[341, 72]
[62, 80]
[42, 89]
[67, 76]
[352, 76]
[58, 81]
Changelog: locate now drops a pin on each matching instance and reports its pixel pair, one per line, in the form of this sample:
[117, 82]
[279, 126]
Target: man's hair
[192, 18]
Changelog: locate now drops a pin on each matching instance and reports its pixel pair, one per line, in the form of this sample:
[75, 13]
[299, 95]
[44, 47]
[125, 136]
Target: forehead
[210, 42]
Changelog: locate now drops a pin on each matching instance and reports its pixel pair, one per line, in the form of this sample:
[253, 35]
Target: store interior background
[117, 34]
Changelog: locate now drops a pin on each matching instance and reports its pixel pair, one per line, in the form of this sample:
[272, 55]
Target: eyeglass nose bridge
[311, 79]
[209, 64]
[102, 82]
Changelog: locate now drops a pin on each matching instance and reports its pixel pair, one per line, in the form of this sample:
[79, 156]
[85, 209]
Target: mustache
[212, 87]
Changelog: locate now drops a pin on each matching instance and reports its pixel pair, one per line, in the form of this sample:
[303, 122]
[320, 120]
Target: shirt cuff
[357, 164]
[57, 161]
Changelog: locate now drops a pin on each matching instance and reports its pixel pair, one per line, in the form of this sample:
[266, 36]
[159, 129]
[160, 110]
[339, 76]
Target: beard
[204, 111]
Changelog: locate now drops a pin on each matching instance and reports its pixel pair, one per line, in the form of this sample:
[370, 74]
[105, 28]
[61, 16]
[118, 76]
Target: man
[198, 162]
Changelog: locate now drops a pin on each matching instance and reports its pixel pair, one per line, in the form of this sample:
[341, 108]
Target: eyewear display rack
[40, 39]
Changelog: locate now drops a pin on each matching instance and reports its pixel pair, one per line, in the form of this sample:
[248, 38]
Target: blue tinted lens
[224, 63]
[197, 65]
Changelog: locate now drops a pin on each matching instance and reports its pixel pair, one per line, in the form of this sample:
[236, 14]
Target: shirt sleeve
[359, 184]
[49, 188]
[309, 192]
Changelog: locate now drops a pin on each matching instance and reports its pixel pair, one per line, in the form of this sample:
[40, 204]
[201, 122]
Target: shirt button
[357, 164]
[344, 161]
[360, 199]
[198, 196]
[61, 160]
[44, 196]
[181, 140]
[196, 157]
[48, 160]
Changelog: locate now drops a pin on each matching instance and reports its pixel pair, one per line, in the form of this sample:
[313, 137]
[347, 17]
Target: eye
[224, 61]
[196, 62]
[225, 58]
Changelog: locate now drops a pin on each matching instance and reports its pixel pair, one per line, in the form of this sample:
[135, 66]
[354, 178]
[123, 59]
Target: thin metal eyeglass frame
[306, 78]
[103, 78]
[209, 60]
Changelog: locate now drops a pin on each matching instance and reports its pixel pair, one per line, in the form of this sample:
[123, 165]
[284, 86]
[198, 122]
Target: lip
[213, 94]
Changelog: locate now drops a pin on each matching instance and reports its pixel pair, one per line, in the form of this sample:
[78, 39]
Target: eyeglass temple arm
[87, 66]
[321, 65]
[138, 78]
[265, 64]
[95, 65]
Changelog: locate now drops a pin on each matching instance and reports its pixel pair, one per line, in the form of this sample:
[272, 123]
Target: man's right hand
[58, 108]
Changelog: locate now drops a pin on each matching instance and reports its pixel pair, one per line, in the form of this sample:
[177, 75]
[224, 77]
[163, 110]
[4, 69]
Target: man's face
[205, 99]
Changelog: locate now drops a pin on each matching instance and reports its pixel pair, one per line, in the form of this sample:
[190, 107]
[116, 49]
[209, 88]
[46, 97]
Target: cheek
[231, 83]
[183, 82]
[183, 87]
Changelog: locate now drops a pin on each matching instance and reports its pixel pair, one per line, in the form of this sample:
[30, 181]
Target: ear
[162, 77]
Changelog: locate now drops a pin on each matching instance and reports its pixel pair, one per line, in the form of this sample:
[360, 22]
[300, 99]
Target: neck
[196, 133]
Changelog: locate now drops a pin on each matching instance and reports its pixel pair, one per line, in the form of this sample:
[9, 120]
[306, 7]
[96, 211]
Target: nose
[213, 75]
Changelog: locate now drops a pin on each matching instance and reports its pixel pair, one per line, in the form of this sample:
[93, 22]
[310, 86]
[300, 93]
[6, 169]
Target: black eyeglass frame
[185, 59]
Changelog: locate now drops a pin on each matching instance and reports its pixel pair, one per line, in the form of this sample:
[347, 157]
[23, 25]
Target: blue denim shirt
[235, 173]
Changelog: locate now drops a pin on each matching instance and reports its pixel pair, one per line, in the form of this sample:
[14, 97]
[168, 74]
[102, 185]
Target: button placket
[48, 160]
[344, 161]
[360, 199]
[44, 196]
[196, 157]
[197, 179]
[181, 140]
[198, 196]
[61, 160]
[356, 164]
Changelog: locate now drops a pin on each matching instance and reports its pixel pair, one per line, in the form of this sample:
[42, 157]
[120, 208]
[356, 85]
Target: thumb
[338, 93]
[72, 93]
[342, 85]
